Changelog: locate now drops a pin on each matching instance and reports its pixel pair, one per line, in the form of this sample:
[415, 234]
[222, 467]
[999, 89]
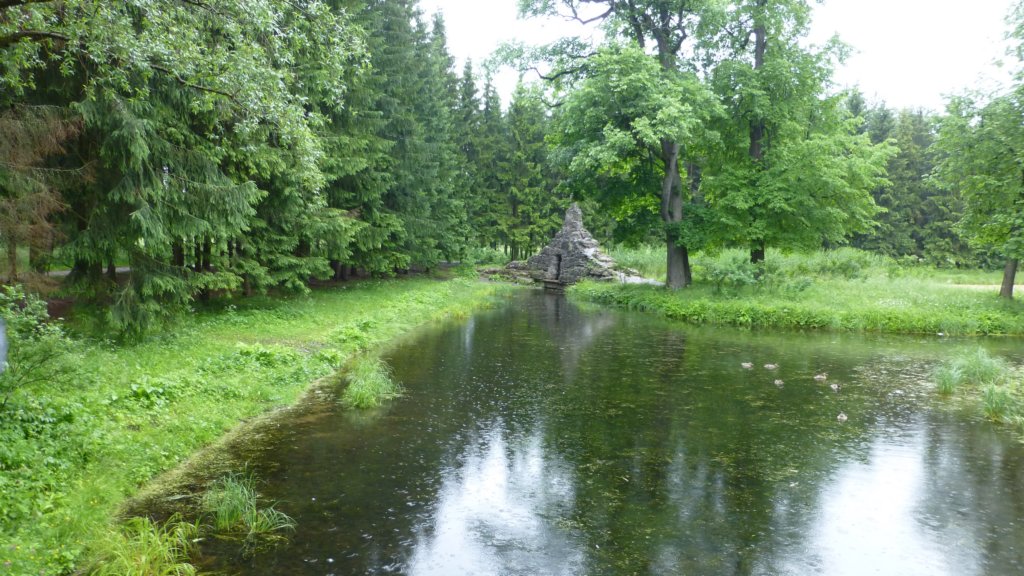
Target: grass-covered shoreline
[72, 451]
[844, 290]
[836, 305]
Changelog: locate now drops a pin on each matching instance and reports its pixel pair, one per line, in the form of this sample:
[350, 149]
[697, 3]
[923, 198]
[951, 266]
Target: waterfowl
[841, 417]
[747, 365]
[771, 366]
[778, 382]
[821, 377]
[834, 387]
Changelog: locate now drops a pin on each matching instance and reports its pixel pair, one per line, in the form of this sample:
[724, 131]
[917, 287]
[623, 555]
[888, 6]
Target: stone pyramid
[572, 255]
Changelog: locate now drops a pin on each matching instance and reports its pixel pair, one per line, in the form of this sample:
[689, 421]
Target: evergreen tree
[535, 205]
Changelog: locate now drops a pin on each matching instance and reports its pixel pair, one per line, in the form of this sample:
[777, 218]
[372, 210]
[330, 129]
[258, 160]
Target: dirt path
[992, 287]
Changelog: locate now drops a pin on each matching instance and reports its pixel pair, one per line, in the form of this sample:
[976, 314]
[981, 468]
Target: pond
[541, 438]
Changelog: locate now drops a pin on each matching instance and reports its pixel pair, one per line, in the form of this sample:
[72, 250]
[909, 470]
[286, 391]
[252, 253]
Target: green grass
[844, 290]
[948, 379]
[370, 384]
[650, 261]
[233, 504]
[228, 500]
[986, 381]
[142, 547]
[73, 450]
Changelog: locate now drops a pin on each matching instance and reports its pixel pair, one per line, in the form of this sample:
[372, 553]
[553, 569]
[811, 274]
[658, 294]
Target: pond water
[540, 438]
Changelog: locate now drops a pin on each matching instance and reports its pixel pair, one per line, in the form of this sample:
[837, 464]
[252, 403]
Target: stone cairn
[572, 255]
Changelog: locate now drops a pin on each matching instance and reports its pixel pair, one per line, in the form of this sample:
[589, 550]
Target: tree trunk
[207, 256]
[178, 255]
[12, 259]
[757, 123]
[38, 258]
[678, 264]
[678, 258]
[757, 253]
[1009, 276]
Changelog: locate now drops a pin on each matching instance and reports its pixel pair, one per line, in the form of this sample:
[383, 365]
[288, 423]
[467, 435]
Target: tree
[534, 205]
[29, 197]
[659, 126]
[981, 155]
[793, 171]
[199, 125]
[919, 218]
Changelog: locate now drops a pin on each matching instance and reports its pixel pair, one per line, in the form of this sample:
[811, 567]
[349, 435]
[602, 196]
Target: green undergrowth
[731, 269]
[988, 382]
[74, 447]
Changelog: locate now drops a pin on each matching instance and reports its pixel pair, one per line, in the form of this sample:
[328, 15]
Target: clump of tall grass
[1001, 395]
[948, 379]
[370, 384]
[145, 548]
[998, 402]
[649, 261]
[233, 502]
[976, 368]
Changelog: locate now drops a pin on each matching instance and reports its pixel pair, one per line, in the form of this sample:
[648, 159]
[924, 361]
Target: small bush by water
[370, 384]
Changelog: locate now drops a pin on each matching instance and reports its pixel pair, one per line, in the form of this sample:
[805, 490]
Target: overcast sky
[909, 53]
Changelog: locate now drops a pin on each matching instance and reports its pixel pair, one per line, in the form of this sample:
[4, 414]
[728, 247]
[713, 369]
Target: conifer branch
[5, 4]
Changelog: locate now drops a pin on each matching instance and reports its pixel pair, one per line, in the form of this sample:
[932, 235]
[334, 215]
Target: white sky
[908, 53]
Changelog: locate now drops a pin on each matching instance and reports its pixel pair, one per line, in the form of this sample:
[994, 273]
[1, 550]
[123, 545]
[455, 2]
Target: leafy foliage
[39, 351]
[979, 159]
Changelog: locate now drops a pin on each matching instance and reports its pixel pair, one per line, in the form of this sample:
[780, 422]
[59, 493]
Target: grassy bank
[843, 290]
[72, 449]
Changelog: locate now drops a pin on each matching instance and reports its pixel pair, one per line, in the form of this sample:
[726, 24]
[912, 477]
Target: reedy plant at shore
[370, 384]
[233, 502]
[143, 547]
[995, 385]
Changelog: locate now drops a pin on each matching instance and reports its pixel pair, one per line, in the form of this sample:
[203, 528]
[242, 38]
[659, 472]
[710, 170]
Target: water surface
[543, 439]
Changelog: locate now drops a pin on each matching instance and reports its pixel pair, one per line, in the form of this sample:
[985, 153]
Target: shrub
[729, 270]
[38, 350]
